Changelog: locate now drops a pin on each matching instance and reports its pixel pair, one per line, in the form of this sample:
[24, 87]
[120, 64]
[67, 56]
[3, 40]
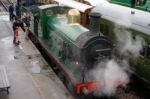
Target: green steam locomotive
[71, 48]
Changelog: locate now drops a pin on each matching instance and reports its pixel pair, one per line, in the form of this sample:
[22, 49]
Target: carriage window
[140, 2]
[104, 28]
[142, 51]
[101, 28]
[148, 51]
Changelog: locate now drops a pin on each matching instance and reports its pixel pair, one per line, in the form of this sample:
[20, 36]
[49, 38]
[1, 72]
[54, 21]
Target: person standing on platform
[11, 12]
[26, 20]
[18, 10]
[17, 23]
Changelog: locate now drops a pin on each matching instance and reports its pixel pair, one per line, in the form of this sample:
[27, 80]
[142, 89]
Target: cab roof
[74, 4]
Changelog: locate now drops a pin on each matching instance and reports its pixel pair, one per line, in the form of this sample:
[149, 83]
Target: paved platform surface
[18, 61]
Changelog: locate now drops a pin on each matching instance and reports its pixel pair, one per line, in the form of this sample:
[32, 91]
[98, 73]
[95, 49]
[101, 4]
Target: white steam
[110, 75]
[129, 45]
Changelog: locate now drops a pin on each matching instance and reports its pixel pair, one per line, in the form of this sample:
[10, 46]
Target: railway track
[136, 90]
[5, 4]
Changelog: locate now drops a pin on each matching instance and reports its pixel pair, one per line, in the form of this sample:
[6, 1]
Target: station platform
[19, 61]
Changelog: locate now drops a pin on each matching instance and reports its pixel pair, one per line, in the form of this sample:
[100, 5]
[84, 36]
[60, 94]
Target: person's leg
[17, 40]
[14, 40]
[13, 17]
[27, 33]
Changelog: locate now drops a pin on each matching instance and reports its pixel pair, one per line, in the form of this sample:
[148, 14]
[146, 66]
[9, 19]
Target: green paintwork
[59, 36]
[72, 32]
[145, 7]
[43, 22]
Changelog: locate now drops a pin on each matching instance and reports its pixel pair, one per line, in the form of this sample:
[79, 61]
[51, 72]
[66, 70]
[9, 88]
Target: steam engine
[71, 48]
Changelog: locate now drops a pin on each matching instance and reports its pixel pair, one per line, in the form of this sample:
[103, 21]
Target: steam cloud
[128, 45]
[110, 74]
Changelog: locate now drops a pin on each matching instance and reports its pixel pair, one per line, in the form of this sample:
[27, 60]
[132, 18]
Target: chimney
[94, 23]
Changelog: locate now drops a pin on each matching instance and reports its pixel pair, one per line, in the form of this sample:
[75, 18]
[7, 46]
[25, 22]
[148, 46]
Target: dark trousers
[11, 16]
